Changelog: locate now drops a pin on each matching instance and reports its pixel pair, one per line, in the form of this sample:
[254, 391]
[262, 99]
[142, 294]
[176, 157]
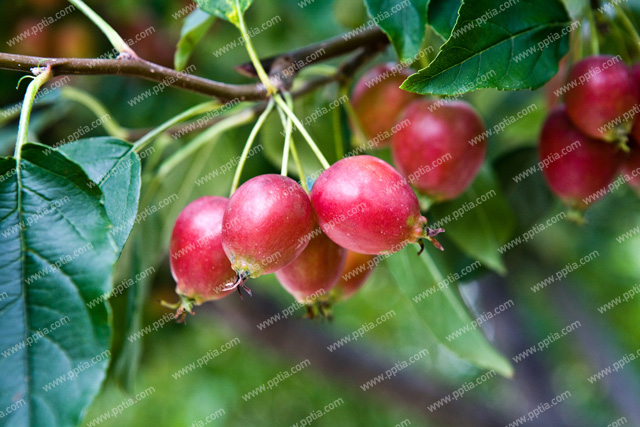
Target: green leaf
[57, 256]
[443, 311]
[497, 49]
[403, 21]
[226, 9]
[479, 221]
[442, 16]
[114, 165]
[194, 28]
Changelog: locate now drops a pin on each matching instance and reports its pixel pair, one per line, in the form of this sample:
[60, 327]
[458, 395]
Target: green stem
[593, 33]
[206, 137]
[255, 60]
[152, 162]
[575, 49]
[628, 25]
[303, 131]
[296, 159]
[294, 151]
[25, 114]
[359, 135]
[115, 39]
[337, 133]
[191, 112]
[232, 121]
[96, 107]
[321, 70]
[288, 125]
[247, 146]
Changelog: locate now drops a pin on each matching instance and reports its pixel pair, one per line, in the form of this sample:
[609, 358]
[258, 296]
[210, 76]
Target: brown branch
[330, 48]
[134, 68]
[137, 67]
[344, 72]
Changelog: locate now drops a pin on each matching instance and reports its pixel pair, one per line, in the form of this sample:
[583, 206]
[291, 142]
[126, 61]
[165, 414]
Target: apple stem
[294, 151]
[191, 112]
[112, 127]
[255, 60]
[628, 25]
[593, 33]
[289, 112]
[358, 132]
[338, 139]
[115, 39]
[247, 146]
[288, 125]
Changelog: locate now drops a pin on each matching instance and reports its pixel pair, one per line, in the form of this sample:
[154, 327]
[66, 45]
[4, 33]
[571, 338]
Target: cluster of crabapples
[321, 245]
[595, 135]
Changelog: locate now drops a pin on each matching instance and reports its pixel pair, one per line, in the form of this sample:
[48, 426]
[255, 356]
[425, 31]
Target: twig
[138, 67]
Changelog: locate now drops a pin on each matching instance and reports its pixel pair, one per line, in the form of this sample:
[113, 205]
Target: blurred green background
[262, 355]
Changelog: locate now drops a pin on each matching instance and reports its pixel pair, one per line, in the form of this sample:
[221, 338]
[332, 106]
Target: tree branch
[345, 71]
[134, 68]
[137, 67]
[323, 51]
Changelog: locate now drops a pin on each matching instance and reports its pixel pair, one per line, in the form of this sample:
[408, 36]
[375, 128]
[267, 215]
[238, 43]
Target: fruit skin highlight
[364, 205]
[606, 92]
[378, 105]
[271, 215]
[356, 271]
[580, 170]
[312, 275]
[198, 263]
[447, 134]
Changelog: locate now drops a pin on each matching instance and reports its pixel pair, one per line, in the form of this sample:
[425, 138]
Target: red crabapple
[268, 218]
[578, 166]
[357, 269]
[198, 263]
[378, 100]
[364, 205]
[442, 149]
[312, 275]
[603, 103]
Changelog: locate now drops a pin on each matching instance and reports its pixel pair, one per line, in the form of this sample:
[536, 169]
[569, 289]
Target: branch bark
[346, 71]
[137, 67]
[330, 48]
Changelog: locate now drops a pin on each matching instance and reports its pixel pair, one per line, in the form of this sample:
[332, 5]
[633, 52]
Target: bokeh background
[601, 340]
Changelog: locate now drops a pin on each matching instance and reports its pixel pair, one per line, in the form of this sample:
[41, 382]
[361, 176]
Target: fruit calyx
[183, 306]
[319, 309]
[238, 284]
[421, 232]
[429, 234]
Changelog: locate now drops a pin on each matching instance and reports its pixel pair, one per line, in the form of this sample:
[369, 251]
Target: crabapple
[603, 104]
[269, 217]
[364, 205]
[378, 100]
[576, 165]
[357, 269]
[198, 263]
[315, 271]
[442, 149]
